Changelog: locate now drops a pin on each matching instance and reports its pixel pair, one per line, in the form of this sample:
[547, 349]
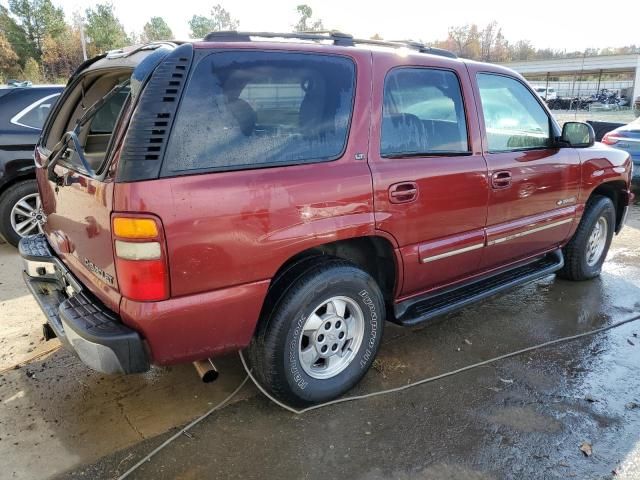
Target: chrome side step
[429, 307]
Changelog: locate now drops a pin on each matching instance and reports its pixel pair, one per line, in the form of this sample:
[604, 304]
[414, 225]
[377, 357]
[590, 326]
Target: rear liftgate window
[258, 109]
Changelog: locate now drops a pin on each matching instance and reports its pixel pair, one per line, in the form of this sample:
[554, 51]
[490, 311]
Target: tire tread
[264, 351]
[573, 251]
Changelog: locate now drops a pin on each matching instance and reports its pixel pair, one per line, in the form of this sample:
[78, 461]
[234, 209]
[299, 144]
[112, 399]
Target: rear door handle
[501, 179]
[403, 192]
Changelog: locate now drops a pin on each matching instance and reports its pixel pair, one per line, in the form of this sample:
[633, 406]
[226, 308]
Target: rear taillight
[609, 139]
[140, 258]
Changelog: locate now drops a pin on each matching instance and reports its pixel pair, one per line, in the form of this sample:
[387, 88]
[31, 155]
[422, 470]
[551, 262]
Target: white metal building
[583, 76]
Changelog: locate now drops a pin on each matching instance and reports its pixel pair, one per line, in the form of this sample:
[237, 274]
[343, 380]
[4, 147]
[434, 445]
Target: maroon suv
[290, 196]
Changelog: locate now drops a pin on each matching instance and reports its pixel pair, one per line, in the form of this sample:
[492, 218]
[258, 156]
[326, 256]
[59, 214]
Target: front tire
[322, 334]
[586, 251]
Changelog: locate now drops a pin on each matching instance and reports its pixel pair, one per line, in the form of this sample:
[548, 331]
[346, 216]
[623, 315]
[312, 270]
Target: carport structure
[582, 76]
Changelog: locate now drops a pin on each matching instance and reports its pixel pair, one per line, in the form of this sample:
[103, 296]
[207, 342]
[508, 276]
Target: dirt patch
[388, 366]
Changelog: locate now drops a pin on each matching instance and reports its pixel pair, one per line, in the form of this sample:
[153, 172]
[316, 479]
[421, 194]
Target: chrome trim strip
[453, 252]
[529, 232]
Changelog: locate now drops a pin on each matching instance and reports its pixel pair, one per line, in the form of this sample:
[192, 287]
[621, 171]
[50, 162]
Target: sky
[567, 24]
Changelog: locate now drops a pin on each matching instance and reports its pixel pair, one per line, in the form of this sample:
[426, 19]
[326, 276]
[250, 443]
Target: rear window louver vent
[150, 125]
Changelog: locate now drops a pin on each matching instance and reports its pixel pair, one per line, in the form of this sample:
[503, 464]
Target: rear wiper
[96, 106]
[72, 135]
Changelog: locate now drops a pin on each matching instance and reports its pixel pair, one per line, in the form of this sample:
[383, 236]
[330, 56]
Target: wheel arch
[13, 180]
[616, 191]
[14, 173]
[375, 254]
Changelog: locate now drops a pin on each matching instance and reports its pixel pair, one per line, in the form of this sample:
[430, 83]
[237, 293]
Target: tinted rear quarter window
[250, 109]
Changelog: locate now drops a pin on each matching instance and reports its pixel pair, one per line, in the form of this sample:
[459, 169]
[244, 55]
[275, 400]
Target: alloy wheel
[597, 241]
[27, 216]
[331, 337]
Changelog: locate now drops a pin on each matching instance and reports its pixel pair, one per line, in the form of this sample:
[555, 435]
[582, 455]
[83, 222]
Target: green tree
[32, 71]
[62, 55]
[488, 37]
[200, 26]
[466, 41]
[500, 51]
[37, 19]
[156, 29]
[522, 50]
[219, 20]
[8, 59]
[104, 29]
[15, 36]
[305, 22]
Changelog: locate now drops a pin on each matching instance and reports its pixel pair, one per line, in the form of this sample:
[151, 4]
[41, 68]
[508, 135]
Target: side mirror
[578, 134]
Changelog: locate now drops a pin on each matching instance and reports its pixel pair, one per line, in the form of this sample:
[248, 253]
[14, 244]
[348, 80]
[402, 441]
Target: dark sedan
[23, 110]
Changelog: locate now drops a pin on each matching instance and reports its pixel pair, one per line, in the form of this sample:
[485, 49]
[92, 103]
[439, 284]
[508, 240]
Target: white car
[546, 93]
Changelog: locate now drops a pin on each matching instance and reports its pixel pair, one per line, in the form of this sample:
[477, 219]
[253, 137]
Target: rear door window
[254, 109]
[423, 114]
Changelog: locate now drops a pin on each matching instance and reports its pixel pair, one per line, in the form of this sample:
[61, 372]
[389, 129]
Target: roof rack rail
[338, 38]
[422, 48]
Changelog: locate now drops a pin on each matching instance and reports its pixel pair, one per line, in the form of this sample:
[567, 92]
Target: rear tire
[26, 190]
[586, 251]
[321, 335]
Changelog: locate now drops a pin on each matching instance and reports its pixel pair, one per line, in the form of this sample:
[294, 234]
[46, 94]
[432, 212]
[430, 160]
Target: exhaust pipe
[207, 370]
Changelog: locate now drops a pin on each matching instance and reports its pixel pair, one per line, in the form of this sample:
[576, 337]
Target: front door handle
[501, 179]
[403, 192]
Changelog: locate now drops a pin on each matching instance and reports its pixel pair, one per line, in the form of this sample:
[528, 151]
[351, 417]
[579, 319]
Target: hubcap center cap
[330, 337]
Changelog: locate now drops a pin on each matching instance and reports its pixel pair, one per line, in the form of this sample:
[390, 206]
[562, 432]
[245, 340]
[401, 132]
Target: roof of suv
[332, 37]
[305, 41]
[338, 41]
[323, 40]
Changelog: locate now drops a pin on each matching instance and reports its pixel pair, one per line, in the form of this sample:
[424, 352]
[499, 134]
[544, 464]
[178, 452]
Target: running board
[425, 308]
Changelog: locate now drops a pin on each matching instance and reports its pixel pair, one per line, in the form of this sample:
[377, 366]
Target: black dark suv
[23, 111]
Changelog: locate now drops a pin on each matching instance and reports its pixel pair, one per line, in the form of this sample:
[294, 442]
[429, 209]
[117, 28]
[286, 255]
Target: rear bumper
[80, 321]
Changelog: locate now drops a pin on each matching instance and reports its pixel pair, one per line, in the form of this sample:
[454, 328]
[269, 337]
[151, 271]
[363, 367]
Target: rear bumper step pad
[79, 320]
